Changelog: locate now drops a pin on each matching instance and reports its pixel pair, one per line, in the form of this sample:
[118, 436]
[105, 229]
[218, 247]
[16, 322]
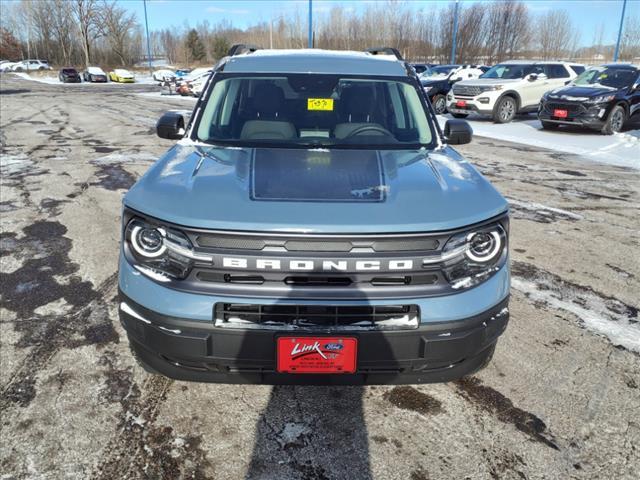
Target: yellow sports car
[121, 75]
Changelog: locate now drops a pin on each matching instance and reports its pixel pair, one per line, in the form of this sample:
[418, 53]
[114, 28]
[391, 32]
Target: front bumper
[473, 105]
[593, 117]
[193, 351]
[174, 333]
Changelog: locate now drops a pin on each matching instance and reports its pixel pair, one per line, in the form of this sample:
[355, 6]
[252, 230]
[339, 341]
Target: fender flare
[511, 93]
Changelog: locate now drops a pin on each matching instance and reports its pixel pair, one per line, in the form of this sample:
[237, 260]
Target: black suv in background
[69, 75]
[604, 98]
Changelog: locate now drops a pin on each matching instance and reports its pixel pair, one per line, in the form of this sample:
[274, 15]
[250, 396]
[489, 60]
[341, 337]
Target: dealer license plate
[560, 113]
[461, 103]
[316, 354]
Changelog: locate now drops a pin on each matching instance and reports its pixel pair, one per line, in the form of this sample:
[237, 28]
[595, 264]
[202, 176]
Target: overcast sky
[588, 15]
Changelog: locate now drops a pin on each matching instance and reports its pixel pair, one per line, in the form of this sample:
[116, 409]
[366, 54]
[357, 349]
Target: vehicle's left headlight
[472, 257]
[157, 251]
[601, 99]
[490, 88]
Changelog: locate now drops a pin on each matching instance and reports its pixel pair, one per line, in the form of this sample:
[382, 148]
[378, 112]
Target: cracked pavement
[560, 399]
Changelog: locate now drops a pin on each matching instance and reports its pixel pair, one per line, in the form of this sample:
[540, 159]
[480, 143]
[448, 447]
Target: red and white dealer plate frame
[316, 354]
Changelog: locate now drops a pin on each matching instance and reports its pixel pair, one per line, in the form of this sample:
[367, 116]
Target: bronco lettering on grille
[318, 265]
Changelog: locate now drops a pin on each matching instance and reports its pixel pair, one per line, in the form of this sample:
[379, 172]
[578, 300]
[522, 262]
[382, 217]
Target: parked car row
[95, 75]
[604, 98]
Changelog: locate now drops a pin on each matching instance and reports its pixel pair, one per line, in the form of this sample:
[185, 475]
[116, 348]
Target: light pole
[615, 55]
[146, 27]
[455, 33]
[310, 42]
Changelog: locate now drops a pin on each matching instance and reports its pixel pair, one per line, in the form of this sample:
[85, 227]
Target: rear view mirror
[457, 132]
[170, 126]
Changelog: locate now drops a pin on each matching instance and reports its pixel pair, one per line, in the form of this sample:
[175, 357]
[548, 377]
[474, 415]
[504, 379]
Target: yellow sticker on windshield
[320, 104]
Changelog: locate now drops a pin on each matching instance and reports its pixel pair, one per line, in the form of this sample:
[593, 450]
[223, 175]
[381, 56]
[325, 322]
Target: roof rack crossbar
[385, 51]
[239, 48]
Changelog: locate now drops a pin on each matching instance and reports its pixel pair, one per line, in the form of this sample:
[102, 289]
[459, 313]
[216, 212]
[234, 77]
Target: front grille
[316, 244]
[466, 91]
[317, 317]
[572, 108]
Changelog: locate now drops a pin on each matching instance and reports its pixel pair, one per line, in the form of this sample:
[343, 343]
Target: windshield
[439, 72]
[509, 71]
[314, 111]
[607, 77]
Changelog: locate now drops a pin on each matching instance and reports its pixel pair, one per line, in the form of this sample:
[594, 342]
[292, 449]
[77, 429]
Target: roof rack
[239, 48]
[385, 51]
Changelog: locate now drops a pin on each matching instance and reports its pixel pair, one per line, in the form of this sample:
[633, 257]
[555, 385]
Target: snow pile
[620, 330]
[621, 149]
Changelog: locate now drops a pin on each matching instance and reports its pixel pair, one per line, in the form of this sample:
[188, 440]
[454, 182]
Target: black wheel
[439, 103]
[19, 69]
[505, 110]
[41, 68]
[615, 121]
[460, 115]
[549, 125]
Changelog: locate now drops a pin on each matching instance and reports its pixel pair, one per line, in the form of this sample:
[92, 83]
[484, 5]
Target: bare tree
[87, 16]
[62, 25]
[507, 30]
[555, 35]
[630, 41]
[117, 26]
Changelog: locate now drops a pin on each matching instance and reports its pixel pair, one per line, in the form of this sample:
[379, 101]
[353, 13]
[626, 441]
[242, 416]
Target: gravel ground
[561, 398]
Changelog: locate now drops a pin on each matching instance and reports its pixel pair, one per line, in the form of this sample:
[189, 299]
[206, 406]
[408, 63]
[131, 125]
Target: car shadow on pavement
[311, 432]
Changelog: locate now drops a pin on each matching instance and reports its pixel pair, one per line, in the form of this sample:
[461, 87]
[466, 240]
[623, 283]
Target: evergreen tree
[195, 47]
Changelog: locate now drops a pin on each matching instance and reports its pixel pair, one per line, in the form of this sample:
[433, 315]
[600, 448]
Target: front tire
[459, 115]
[439, 103]
[615, 121]
[505, 110]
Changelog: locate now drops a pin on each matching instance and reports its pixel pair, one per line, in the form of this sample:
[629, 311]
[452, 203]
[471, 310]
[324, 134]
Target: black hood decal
[317, 175]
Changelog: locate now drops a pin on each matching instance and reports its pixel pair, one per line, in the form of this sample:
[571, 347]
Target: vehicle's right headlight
[473, 256]
[157, 251]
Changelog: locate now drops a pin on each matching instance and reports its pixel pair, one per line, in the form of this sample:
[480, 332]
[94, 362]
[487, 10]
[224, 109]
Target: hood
[433, 82]
[478, 82]
[582, 91]
[315, 191]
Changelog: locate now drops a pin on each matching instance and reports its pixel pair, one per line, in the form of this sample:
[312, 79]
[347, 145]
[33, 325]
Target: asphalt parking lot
[560, 400]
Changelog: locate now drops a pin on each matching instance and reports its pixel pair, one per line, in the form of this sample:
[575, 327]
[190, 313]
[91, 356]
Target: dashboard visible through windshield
[312, 110]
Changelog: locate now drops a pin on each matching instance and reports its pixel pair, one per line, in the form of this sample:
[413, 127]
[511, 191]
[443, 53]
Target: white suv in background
[509, 88]
[29, 65]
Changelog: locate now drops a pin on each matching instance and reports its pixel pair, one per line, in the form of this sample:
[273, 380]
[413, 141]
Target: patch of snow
[589, 308]
[621, 149]
[12, 164]
[292, 433]
[165, 96]
[539, 208]
[117, 158]
[135, 420]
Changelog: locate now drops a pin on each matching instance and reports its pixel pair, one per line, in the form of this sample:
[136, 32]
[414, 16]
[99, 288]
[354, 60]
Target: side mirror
[170, 126]
[457, 132]
[567, 82]
[532, 77]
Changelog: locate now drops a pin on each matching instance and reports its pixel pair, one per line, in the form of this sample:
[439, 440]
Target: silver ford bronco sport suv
[313, 225]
